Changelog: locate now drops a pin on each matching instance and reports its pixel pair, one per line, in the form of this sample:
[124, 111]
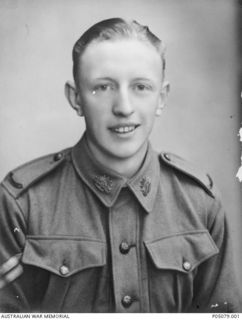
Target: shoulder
[20, 179]
[189, 170]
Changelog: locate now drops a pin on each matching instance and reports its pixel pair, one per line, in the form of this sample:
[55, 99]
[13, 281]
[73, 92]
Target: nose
[122, 104]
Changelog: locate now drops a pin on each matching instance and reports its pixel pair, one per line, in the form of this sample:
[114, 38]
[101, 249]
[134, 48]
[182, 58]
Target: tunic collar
[106, 184]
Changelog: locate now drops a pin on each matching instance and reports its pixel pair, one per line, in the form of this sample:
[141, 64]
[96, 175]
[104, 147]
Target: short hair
[115, 28]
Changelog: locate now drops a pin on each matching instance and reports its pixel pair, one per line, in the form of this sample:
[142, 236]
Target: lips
[124, 128]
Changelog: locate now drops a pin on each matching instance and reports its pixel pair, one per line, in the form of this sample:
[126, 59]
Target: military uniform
[88, 240]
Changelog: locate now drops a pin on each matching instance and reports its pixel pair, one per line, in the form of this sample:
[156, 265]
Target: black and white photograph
[120, 157]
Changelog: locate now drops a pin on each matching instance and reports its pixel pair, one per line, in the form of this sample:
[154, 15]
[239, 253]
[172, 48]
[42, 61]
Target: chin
[125, 152]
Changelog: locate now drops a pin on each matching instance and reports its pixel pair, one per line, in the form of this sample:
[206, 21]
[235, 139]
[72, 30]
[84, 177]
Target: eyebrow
[143, 79]
[104, 78]
[114, 80]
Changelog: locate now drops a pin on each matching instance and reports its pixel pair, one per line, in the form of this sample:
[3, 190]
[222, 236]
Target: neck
[126, 167]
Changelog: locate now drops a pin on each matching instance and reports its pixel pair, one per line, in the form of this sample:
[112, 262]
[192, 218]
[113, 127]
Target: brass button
[186, 265]
[124, 247]
[167, 157]
[14, 182]
[126, 301]
[58, 156]
[64, 270]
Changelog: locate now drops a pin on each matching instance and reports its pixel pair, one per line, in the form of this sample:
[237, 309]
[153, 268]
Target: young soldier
[110, 225]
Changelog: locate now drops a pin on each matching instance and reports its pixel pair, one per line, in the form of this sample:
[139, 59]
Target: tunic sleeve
[12, 240]
[215, 287]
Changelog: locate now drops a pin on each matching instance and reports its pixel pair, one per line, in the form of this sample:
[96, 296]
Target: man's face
[120, 85]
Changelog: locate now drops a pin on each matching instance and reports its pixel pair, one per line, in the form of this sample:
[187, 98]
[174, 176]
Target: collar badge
[145, 185]
[103, 183]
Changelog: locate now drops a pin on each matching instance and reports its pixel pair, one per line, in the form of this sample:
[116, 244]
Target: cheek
[96, 123]
[149, 109]
[93, 113]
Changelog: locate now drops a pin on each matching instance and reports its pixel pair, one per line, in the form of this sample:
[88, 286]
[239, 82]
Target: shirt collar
[106, 184]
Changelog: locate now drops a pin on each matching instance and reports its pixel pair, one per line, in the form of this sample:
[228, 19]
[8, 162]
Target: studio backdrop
[202, 118]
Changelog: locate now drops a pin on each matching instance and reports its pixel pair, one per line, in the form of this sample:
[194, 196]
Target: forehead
[121, 57]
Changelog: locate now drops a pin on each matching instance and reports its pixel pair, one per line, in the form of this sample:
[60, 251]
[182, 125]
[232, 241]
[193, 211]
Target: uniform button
[124, 247]
[13, 182]
[166, 155]
[187, 265]
[127, 301]
[58, 156]
[64, 270]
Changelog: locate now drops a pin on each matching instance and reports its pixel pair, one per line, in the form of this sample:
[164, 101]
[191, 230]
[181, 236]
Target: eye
[141, 87]
[102, 88]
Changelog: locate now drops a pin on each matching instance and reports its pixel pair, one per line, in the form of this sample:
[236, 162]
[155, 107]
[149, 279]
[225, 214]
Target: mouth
[124, 129]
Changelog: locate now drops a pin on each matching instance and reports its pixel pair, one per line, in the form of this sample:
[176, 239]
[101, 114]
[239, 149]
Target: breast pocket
[67, 271]
[182, 252]
[172, 266]
[63, 255]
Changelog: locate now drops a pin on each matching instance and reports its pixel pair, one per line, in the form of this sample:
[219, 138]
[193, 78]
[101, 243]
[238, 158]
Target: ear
[73, 97]
[163, 98]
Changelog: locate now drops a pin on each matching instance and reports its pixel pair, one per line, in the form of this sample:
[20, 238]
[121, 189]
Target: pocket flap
[182, 252]
[64, 256]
